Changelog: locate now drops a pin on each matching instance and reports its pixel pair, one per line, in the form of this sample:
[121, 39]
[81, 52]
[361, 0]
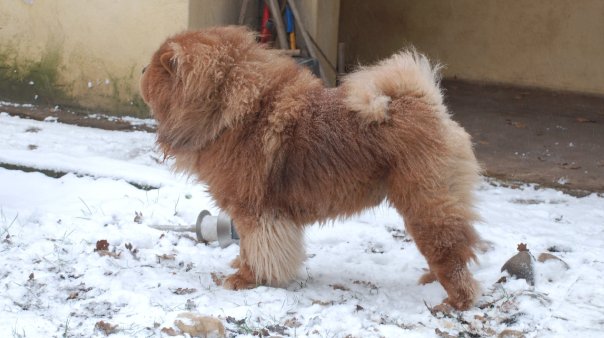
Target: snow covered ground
[360, 278]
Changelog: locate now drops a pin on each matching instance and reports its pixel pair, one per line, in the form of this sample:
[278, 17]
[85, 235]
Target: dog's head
[199, 83]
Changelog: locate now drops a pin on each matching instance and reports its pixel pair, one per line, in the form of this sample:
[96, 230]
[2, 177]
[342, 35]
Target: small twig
[432, 312]
[176, 206]
[174, 228]
[6, 228]
[489, 304]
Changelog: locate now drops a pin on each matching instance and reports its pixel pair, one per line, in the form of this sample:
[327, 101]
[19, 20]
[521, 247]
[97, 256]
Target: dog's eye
[144, 68]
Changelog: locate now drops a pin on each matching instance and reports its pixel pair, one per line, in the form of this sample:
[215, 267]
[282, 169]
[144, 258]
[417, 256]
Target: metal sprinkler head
[208, 228]
[216, 228]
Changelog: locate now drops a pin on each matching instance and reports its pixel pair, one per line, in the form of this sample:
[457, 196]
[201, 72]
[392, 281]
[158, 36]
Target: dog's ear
[168, 61]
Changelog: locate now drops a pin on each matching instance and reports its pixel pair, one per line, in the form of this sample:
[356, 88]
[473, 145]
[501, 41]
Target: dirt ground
[550, 138]
[521, 135]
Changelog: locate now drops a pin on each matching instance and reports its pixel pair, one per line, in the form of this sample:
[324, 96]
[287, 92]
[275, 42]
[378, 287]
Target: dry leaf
[232, 320]
[338, 286]
[200, 326]
[170, 331]
[32, 130]
[106, 328]
[292, 322]
[585, 120]
[543, 257]
[166, 257]
[516, 124]
[510, 334]
[322, 302]
[103, 253]
[217, 278]
[443, 334]
[519, 125]
[184, 291]
[133, 251]
[266, 332]
[365, 283]
[489, 332]
[138, 217]
[102, 245]
[480, 318]
[572, 165]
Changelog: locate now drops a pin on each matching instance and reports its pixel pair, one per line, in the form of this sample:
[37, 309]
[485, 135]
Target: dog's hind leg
[443, 234]
[438, 213]
[271, 252]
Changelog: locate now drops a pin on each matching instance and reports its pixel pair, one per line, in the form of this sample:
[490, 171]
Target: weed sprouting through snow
[6, 226]
[87, 213]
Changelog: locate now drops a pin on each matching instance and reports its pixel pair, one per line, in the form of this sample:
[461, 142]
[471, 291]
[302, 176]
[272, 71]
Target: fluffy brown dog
[279, 151]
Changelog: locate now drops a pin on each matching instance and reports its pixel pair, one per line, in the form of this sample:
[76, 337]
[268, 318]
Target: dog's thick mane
[221, 76]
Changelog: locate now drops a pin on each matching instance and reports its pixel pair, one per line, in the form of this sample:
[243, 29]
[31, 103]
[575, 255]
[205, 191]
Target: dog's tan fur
[278, 151]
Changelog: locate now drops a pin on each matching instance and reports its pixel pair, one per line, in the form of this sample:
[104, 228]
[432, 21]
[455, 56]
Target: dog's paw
[463, 296]
[460, 305]
[237, 281]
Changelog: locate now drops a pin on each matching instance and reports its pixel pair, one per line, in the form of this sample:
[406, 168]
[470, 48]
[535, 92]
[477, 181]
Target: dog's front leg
[271, 252]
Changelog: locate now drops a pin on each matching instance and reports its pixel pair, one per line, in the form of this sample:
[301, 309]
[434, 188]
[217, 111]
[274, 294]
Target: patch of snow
[131, 120]
[12, 104]
[52, 119]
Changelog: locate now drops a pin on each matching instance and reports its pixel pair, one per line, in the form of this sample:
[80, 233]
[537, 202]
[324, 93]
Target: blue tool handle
[289, 20]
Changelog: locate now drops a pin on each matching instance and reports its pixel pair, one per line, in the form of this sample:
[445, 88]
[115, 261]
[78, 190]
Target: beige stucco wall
[206, 13]
[87, 53]
[90, 53]
[556, 44]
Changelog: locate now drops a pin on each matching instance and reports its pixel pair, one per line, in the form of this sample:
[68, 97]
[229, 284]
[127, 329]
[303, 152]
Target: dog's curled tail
[370, 90]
